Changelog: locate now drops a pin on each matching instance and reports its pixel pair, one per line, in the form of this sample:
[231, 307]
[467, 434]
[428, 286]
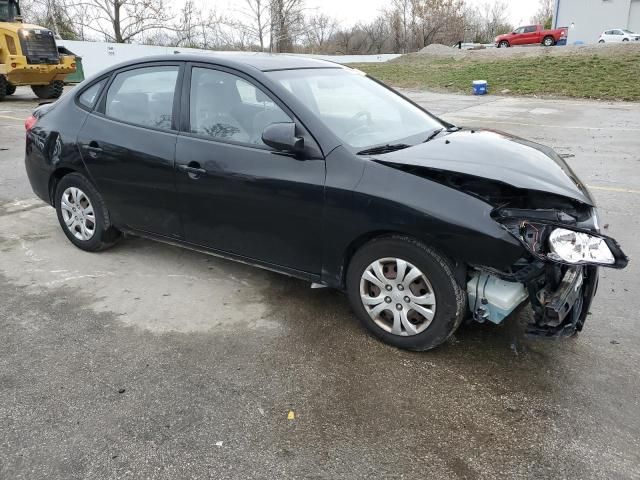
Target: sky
[349, 12]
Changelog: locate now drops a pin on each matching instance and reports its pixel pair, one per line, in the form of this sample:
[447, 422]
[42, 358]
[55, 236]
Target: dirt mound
[438, 51]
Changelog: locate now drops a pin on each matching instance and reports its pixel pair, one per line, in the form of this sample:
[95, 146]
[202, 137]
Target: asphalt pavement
[151, 361]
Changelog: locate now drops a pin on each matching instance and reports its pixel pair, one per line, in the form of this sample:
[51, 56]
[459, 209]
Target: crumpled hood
[496, 156]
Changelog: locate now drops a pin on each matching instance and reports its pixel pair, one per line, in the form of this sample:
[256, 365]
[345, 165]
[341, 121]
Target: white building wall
[589, 18]
[96, 56]
[634, 16]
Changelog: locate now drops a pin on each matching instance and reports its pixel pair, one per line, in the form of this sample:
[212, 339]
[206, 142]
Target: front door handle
[193, 169]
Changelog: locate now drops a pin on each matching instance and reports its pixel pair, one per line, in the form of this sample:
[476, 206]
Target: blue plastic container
[480, 87]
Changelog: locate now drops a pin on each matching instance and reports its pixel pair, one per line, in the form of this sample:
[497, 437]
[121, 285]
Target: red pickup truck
[531, 34]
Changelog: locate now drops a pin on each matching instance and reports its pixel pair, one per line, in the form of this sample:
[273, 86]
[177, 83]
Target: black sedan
[317, 171]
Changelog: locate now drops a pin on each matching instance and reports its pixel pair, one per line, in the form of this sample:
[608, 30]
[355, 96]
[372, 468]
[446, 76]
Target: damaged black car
[317, 171]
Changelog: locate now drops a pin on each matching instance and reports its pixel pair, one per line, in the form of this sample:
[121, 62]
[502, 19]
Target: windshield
[627, 31]
[8, 10]
[358, 110]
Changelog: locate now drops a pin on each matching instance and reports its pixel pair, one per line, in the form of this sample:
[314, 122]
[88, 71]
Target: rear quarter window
[89, 96]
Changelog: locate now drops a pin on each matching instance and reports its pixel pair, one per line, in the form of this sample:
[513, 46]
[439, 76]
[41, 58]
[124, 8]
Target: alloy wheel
[397, 296]
[78, 214]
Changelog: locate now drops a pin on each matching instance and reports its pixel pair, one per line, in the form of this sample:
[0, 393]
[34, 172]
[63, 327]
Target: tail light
[29, 123]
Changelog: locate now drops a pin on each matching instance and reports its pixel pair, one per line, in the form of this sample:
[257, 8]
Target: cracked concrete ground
[150, 361]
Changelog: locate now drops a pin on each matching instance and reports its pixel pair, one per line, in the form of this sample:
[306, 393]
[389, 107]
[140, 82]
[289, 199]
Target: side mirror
[282, 137]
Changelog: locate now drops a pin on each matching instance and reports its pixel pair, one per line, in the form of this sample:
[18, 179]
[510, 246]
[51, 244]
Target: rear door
[237, 194]
[531, 35]
[128, 145]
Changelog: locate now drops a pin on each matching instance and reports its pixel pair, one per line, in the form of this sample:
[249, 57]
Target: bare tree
[378, 32]
[495, 18]
[437, 21]
[344, 39]
[54, 15]
[255, 20]
[544, 15]
[187, 29]
[319, 29]
[404, 18]
[121, 21]
[287, 21]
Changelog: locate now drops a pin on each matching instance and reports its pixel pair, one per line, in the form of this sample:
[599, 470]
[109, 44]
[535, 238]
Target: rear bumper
[37, 171]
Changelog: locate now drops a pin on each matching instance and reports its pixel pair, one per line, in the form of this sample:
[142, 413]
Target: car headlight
[552, 239]
[578, 247]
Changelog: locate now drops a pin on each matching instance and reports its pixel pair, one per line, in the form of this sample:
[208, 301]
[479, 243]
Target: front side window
[90, 95]
[143, 96]
[227, 107]
[358, 110]
[530, 29]
[519, 30]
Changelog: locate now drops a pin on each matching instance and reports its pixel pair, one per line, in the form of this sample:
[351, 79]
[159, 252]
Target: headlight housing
[552, 240]
[578, 247]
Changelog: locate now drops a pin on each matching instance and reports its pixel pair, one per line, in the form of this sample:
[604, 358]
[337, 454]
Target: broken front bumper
[561, 311]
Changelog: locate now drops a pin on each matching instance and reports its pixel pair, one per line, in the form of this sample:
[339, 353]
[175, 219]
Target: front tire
[47, 92]
[10, 89]
[4, 84]
[405, 293]
[503, 44]
[83, 215]
[601, 41]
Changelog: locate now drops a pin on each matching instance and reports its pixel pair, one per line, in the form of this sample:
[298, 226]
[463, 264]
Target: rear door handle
[93, 148]
[193, 170]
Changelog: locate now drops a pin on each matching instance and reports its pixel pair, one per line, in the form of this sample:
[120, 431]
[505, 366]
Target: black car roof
[261, 61]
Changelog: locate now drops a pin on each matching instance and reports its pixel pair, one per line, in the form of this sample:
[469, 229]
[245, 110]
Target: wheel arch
[55, 178]
[363, 239]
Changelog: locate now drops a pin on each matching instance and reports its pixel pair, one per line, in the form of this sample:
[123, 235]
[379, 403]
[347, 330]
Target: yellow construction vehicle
[29, 56]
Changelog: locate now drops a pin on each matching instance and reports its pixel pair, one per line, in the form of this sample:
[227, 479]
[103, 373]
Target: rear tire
[601, 41]
[625, 39]
[53, 90]
[548, 41]
[400, 315]
[83, 215]
[11, 89]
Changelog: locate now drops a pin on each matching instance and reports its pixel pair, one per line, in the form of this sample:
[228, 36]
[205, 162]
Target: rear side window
[143, 96]
[90, 95]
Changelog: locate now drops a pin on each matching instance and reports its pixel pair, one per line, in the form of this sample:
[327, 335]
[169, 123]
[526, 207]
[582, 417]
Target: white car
[619, 35]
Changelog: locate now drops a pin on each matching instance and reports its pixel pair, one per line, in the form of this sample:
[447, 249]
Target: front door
[518, 37]
[128, 145]
[237, 194]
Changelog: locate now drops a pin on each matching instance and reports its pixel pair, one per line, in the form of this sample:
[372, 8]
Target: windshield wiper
[434, 134]
[383, 149]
